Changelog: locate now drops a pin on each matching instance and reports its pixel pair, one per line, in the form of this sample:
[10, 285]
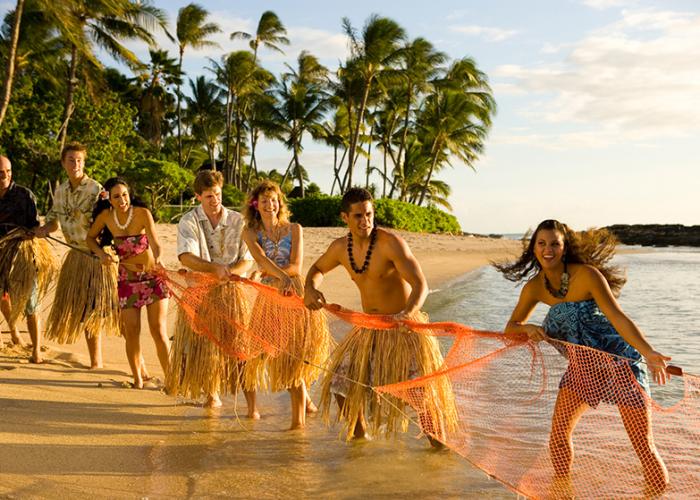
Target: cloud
[321, 43]
[488, 33]
[635, 79]
[607, 4]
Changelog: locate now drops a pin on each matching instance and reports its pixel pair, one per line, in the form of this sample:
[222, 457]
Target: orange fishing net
[548, 420]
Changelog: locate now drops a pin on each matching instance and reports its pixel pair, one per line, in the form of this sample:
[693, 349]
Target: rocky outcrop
[657, 235]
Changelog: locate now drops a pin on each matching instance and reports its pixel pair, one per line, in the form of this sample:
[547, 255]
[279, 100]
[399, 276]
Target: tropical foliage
[393, 114]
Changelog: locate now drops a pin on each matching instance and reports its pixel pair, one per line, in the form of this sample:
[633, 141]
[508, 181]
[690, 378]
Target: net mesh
[548, 420]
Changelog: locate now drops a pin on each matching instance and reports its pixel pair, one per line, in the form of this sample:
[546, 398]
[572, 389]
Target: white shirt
[221, 244]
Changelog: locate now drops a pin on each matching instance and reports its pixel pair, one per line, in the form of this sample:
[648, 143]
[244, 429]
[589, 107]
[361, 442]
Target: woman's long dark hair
[106, 238]
[594, 247]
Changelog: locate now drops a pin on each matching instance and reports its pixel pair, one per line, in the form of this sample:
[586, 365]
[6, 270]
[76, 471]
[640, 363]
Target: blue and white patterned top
[279, 252]
[583, 323]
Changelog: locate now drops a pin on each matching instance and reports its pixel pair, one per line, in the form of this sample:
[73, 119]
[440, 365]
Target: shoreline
[69, 431]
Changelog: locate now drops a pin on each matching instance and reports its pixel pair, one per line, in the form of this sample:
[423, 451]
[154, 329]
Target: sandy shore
[67, 432]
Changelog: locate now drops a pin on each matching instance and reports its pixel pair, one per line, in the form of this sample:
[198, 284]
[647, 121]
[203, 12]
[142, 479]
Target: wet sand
[67, 431]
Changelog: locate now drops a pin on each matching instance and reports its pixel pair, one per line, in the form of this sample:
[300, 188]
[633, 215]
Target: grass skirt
[381, 357]
[85, 300]
[210, 362]
[22, 264]
[297, 342]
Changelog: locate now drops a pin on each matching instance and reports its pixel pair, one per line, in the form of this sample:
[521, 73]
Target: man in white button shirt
[209, 241]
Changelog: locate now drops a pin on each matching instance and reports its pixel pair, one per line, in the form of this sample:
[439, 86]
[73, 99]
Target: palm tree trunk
[369, 156]
[70, 93]
[354, 138]
[11, 57]
[227, 135]
[286, 172]
[300, 177]
[400, 166]
[427, 180]
[179, 111]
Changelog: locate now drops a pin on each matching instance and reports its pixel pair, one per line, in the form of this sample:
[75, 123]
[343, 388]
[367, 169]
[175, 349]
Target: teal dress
[595, 377]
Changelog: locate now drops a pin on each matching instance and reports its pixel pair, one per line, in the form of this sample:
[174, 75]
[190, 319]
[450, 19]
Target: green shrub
[232, 197]
[317, 211]
[325, 211]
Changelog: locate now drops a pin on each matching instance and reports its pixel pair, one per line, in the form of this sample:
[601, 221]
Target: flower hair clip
[104, 195]
[253, 204]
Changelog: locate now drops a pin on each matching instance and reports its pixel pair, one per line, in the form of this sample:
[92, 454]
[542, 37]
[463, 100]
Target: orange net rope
[548, 420]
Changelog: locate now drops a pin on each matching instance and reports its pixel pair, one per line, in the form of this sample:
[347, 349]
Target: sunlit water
[261, 459]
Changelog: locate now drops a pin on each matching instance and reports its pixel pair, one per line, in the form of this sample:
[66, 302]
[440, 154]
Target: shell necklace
[128, 218]
[563, 286]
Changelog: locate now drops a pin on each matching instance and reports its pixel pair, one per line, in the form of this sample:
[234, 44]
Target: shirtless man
[391, 282]
[18, 209]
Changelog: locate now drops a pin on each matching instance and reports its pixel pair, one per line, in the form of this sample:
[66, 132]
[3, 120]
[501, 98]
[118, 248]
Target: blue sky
[598, 100]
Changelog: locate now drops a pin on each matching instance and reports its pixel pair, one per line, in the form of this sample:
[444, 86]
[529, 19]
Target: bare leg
[157, 324]
[35, 335]
[213, 400]
[131, 329]
[310, 406]
[298, 398]
[567, 412]
[5, 307]
[637, 423]
[94, 344]
[144, 371]
[250, 398]
[360, 429]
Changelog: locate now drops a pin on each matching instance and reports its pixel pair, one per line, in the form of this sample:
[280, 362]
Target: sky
[598, 101]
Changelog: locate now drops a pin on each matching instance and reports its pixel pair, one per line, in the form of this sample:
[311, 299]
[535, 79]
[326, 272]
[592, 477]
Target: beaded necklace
[365, 265]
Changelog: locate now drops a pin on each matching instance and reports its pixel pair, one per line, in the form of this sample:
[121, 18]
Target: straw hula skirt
[210, 343]
[85, 301]
[375, 358]
[28, 268]
[296, 341]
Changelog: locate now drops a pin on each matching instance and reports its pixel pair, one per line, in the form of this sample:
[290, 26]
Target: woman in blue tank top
[301, 336]
[570, 272]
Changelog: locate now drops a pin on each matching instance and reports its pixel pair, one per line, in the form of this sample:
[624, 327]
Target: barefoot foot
[213, 401]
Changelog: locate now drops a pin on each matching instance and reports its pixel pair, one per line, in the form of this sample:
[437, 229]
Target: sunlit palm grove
[392, 115]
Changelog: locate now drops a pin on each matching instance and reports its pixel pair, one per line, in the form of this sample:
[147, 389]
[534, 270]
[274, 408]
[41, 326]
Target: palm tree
[104, 24]
[192, 30]
[270, 33]
[302, 103]
[449, 125]
[204, 112]
[10, 65]
[161, 73]
[38, 20]
[375, 51]
[244, 82]
[419, 64]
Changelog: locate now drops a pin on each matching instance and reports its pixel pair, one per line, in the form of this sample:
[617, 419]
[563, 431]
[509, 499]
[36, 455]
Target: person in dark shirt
[18, 209]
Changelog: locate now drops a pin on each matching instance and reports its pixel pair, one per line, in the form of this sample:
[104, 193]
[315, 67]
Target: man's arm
[313, 298]
[410, 271]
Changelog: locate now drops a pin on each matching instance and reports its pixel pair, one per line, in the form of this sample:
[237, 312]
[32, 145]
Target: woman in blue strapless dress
[570, 272]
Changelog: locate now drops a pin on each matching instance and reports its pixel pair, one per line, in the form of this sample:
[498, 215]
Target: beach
[67, 431]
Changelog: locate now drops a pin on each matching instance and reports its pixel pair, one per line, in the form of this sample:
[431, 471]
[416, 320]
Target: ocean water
[662, 296]
[221, 455]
